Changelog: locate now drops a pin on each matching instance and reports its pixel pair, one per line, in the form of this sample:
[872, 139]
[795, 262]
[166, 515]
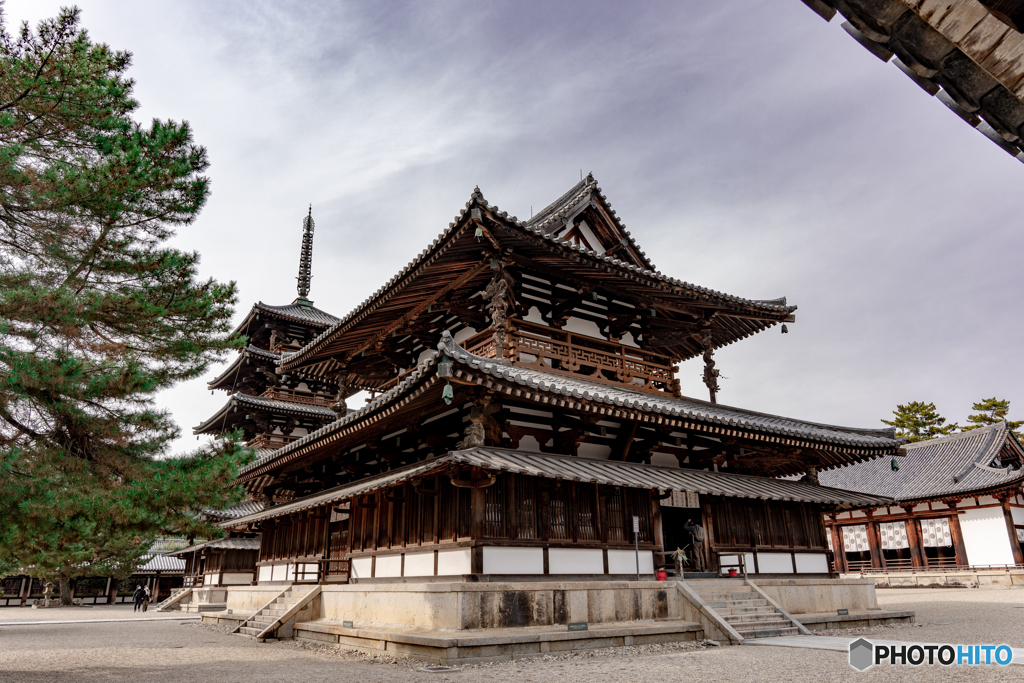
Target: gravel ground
[9, 614]
[187, 652]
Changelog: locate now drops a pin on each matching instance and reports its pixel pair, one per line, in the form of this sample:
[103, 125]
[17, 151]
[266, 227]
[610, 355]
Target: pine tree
[918, 421]
[97, 314]
[990, 411]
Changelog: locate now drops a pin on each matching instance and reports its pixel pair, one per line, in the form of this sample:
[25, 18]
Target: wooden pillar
[1018, 557]
[26, 585]
[917, 556]
[838, 550]
[874, 544]
[659, 538]
[958, 537]
[710, 559]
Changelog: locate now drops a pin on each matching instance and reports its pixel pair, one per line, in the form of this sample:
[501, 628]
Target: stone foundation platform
[479, 622]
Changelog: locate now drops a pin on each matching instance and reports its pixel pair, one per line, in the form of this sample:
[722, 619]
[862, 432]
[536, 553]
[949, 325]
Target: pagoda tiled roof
[948, 467]
[271, 405]
[231, 371]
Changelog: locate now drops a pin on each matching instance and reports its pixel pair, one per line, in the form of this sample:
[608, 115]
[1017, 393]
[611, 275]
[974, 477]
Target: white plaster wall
[774, 563]
[575, 561]
[594, 451]
[580, 326]
[514, 561]
[811, 563]
[590, 237]
[388, 566]
[360, 567]
[463, 334]
[264, 574]
[534, 316]
[237, 579]
[624, 562]
[627, 340]
[1018, 515]
[453, 562]
[987, 500]
[664, 459]
[281, 572]
[985, 537]
[419, 564]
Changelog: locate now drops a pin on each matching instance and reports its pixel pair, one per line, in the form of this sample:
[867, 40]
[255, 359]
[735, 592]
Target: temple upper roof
[457, 265]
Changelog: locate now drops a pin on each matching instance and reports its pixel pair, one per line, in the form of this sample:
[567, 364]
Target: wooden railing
[298, 397]
[270, 440]
[551, 349]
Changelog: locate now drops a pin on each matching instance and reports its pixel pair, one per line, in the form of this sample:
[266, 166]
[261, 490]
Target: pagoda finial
[306, 260]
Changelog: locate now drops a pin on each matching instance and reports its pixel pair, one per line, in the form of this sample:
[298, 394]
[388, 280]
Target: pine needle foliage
[919, 421]
[990, 411]
[97, 313]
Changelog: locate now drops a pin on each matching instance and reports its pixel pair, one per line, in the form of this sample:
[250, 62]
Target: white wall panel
[1018, 515]
[388, 566]
[419, 564]
[811, 563]
[360, 567]
[575, 561]
[513, 560]
[624, 562]
[282, 572]
[453, 562]
[265, 572]
[774, 563]
[237, 579]
[985, 536]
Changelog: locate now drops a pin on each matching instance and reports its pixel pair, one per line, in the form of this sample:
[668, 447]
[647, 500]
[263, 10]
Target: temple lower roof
[948, 467]
[222, 544]
[262, 403]
[609, 472]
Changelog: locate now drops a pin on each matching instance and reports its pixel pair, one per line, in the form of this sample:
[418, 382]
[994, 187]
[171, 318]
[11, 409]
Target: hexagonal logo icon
[862, 654]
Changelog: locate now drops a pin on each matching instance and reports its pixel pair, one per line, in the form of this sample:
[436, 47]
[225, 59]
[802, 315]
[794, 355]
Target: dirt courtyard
[184, 651]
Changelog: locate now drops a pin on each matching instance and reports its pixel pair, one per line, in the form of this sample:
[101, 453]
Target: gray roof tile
[609, 472]
[931, 469]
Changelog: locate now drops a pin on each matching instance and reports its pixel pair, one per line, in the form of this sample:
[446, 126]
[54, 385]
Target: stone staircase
[263, 624]
[173, 601]
[744, 609]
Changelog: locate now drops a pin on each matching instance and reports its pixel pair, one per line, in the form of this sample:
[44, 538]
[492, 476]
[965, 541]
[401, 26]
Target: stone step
[744, 625]
[250, 631]
[755, 602]
[732, 597]
[718, 583]
[275, 612]
[758, 625]
[263, 619]
[770, 632]
[756, 616]
[725, 592]
[761, 609]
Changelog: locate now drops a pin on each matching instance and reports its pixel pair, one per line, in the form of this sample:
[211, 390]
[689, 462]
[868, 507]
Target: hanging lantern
[448, 394]
[785, 330]
[895, 465]
[444, 366]
[479, 233]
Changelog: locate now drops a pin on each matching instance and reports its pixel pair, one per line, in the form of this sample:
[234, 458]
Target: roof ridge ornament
[306, 259]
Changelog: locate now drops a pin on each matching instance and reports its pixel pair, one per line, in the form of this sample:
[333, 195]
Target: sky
[748, 146]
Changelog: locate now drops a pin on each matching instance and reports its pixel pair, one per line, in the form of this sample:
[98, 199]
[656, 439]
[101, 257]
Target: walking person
[146, 599]
[137, 597]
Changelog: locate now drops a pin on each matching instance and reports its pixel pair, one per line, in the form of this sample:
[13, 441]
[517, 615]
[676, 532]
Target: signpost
[636, 543]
